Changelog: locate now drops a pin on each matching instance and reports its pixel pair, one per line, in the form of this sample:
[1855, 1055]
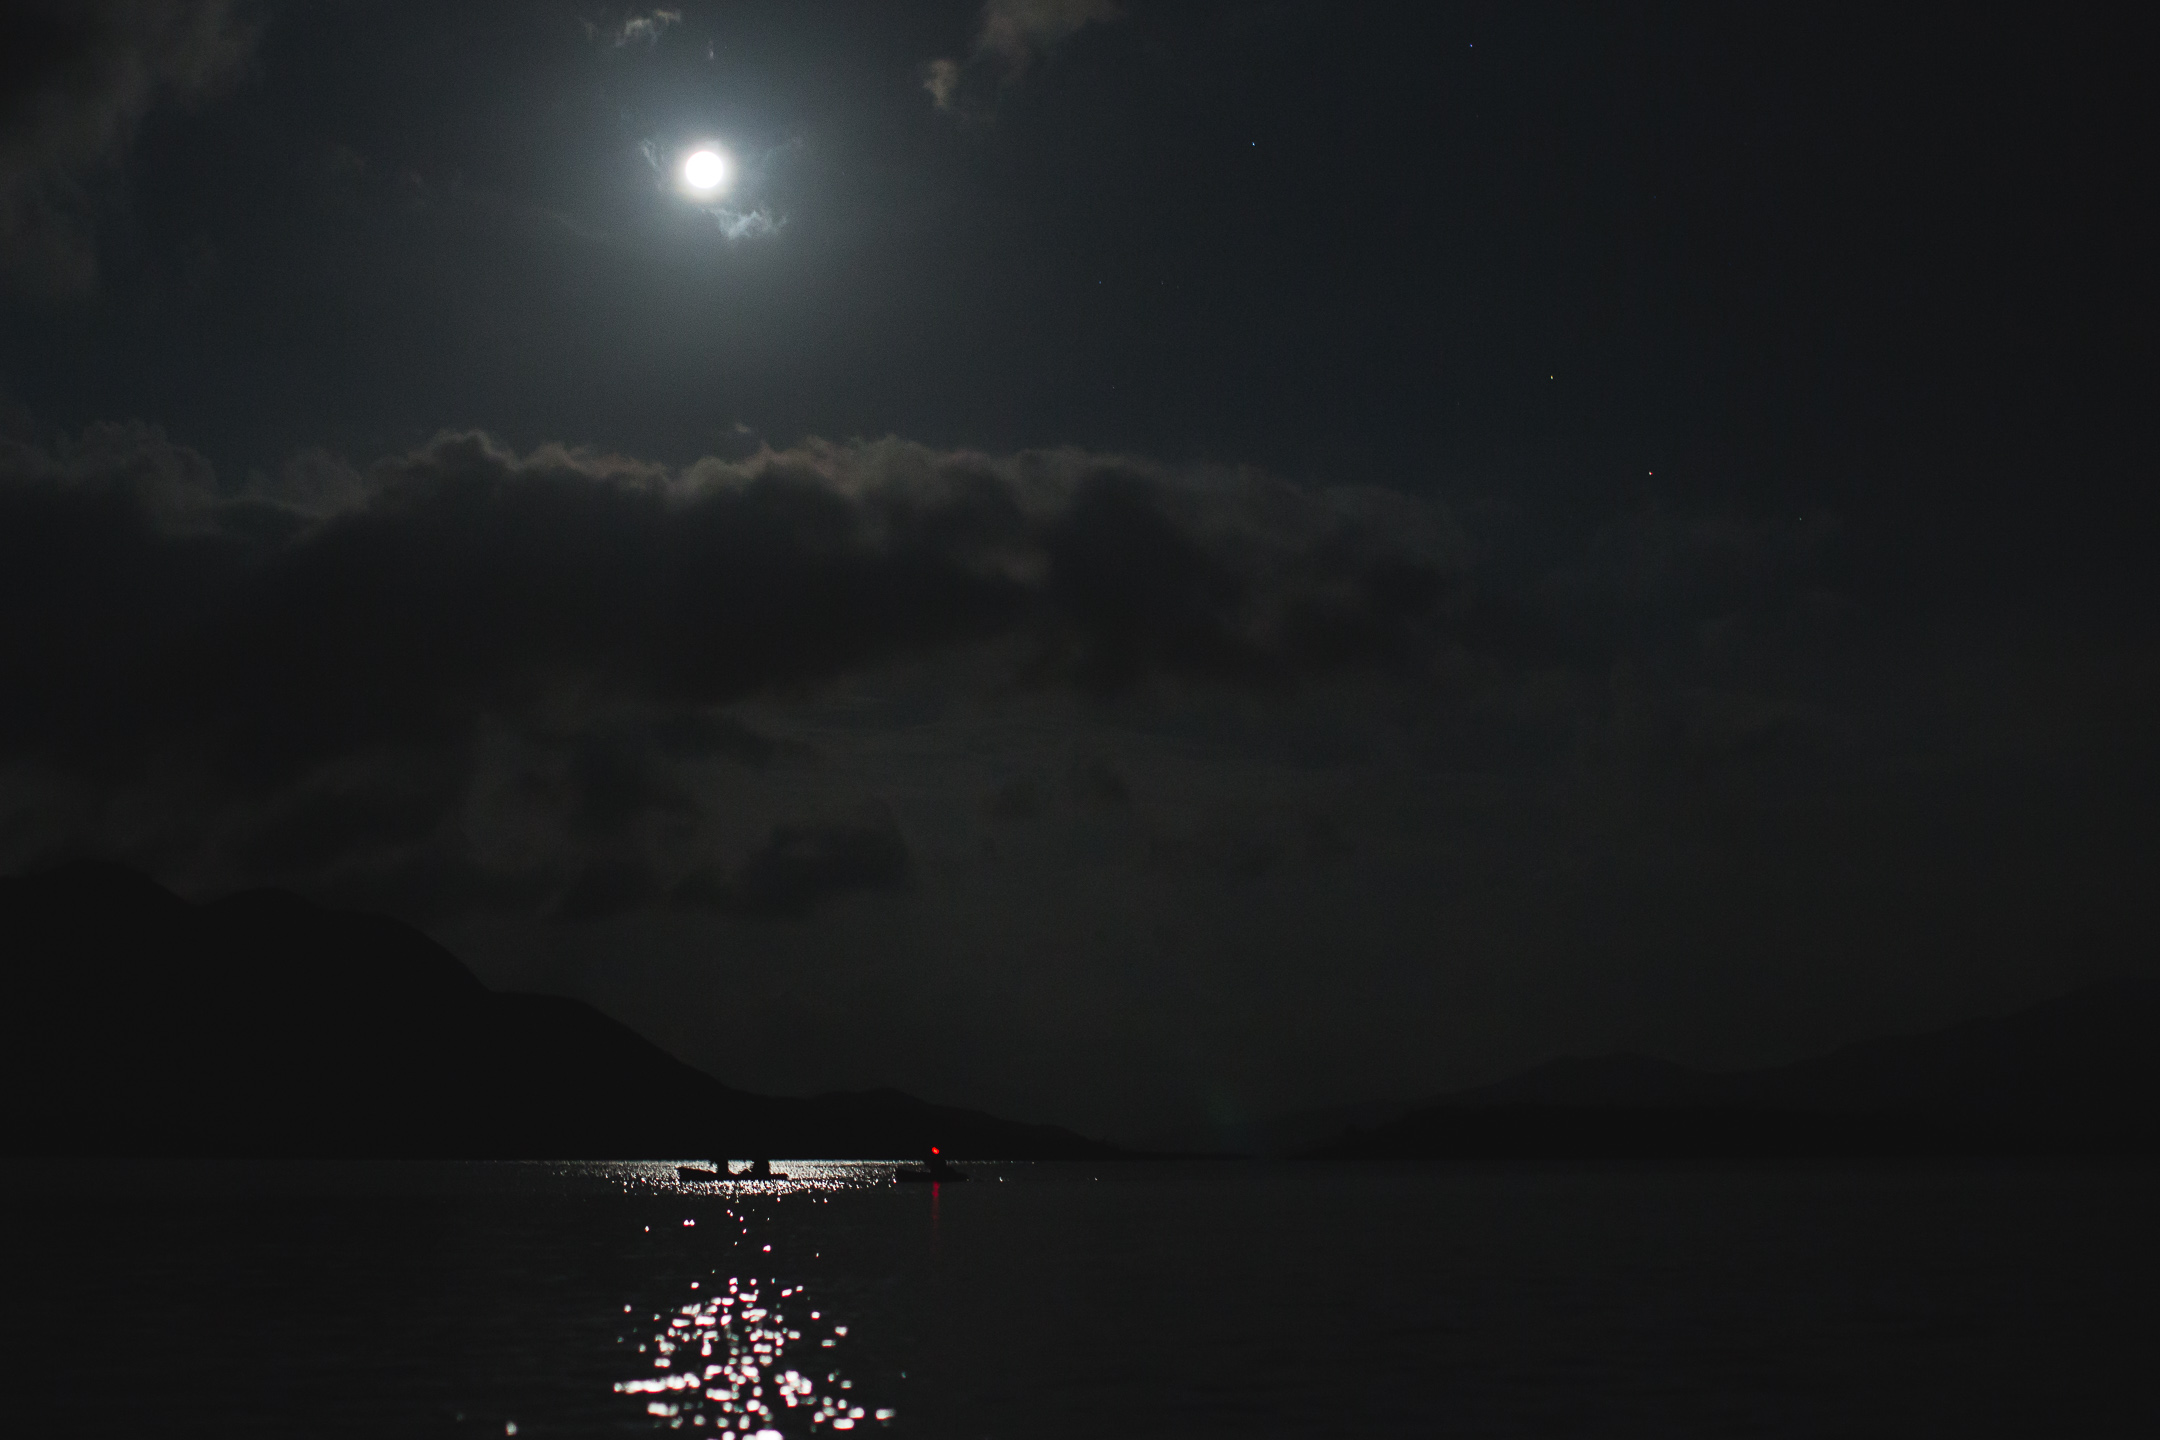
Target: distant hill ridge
[2076, 1075]
[263, 1025]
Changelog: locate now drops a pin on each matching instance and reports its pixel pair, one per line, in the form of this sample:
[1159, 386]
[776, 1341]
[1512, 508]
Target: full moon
[706, 170]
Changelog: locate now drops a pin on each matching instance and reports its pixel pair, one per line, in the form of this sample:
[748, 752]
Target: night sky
[1143, 562]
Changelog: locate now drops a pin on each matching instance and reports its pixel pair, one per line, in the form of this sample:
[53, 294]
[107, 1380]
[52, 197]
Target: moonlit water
[1053, 1300]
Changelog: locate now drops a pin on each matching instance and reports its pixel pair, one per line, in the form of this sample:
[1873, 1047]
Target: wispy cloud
[647, 27]
[1014, 32]
[1009, 38]
[633, 28]
[746, 224]
[942, 79]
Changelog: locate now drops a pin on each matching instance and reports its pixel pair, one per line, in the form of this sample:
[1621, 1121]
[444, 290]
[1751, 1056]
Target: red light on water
[933, 1149]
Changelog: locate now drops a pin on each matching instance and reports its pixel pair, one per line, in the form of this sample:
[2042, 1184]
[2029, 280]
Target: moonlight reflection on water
[752, 1361]
[725, 1361]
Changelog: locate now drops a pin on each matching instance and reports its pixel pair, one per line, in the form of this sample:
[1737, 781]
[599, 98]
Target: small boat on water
[934, 1171]
[697, 1174]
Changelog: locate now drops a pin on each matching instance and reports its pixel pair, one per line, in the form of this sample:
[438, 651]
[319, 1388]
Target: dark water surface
[168, 1300]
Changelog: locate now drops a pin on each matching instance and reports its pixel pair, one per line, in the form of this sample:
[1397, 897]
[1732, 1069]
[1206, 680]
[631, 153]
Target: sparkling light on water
[728, 1364]
[724, 1365]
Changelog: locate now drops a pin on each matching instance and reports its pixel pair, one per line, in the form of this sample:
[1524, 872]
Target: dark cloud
[1095, 781]
[616, 779]
[76, 79]
[1020, 799]
[365, 803]
[799, 867]
[328, 668]
[697, 732]
[472, 580]
[606, 888]
[1091, 783]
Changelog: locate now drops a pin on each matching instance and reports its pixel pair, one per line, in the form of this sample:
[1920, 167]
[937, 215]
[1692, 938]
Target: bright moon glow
[705, 170]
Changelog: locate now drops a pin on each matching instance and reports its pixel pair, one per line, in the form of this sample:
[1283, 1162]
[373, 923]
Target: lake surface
[165, 1300]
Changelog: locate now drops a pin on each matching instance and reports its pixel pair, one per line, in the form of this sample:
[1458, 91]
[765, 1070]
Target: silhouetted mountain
[262, 1025]
[2077, 1075]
